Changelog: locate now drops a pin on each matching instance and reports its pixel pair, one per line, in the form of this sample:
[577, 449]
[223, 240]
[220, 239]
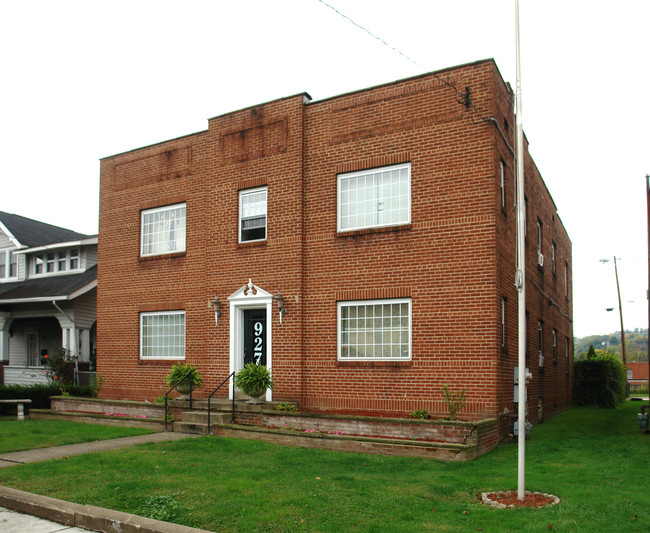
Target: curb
[85, 516]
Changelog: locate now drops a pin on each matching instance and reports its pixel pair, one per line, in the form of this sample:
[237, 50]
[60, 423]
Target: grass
[595, 460]
[31, 434]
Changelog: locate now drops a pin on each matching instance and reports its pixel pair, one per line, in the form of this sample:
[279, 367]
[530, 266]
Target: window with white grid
[162, 335]
[252, 215]
[374, 329]
[374, 198]
[163, 230]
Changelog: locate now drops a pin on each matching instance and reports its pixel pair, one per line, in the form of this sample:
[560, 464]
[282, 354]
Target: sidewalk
[44, 454]
[23, 511]
[13, 522]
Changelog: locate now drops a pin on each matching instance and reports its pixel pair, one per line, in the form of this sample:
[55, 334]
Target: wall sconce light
[217, 312]
[281, 308]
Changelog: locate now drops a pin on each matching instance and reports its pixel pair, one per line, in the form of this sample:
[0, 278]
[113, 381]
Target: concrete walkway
[23, 511]
[44, 454]
[13, 522]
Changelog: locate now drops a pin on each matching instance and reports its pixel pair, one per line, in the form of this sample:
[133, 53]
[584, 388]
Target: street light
[620, 310]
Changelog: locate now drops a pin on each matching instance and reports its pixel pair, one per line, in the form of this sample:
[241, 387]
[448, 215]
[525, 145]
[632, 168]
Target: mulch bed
[508, 499]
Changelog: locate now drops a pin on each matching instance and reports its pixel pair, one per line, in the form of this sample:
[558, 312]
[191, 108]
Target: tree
[591, 353]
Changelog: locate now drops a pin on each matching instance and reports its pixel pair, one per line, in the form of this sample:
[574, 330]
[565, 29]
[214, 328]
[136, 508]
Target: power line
[372, 34]
[464, 96]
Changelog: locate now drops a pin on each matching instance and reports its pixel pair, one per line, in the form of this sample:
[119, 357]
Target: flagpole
[520, 280]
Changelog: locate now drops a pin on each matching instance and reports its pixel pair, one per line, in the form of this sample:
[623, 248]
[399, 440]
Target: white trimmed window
[374, 198]
[49, 262]
[163, 230]
[252, 215]
[55, 262]
[374, 329]
[38, 264]
[8, 264]
[162, 335]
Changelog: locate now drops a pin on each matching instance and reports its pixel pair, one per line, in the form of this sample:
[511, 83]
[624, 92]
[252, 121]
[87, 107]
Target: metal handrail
[233, 401]
[173, 387]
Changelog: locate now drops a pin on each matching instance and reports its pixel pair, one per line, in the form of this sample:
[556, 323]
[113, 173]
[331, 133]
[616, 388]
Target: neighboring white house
[48, 296]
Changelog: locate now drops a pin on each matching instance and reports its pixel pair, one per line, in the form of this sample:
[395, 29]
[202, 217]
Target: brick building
[381, 223]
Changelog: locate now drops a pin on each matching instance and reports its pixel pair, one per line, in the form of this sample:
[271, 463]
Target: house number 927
[258, 341]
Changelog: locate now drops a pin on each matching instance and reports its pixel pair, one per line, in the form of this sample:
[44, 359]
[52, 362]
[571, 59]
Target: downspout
[62, 311]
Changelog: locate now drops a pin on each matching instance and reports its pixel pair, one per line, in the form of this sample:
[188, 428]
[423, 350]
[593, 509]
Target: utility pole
[620, 312]
[520, 278]
[647, 182]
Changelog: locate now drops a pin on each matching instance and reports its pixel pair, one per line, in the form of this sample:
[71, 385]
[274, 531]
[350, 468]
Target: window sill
[374, 364]
[163, 360]
[369, 231]
[161, 256]
[251, 244]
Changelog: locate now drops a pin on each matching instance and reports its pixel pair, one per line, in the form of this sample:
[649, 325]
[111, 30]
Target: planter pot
[256, 395]
[184, 390]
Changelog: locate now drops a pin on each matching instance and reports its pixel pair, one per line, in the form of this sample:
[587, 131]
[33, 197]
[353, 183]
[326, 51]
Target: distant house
[48, 295]
[637, 375]
[363, 246]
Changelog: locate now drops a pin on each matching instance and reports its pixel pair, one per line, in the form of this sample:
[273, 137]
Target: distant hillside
[636, 344]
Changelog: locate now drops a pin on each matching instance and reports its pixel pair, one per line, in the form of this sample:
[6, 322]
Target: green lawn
[595, 460]
[31, 434]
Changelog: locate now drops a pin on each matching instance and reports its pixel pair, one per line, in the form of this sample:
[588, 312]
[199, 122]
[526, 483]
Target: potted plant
[193, 378]
[254, 380]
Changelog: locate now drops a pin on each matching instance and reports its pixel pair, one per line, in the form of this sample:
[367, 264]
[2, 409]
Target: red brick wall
[455, 260]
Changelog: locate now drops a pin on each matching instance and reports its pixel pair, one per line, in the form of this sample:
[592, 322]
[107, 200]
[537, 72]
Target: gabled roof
[48, 288]
[30, 233]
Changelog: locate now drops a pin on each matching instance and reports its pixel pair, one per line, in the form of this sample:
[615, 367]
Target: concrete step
[195, 428]
[224, 404]
[201, 417]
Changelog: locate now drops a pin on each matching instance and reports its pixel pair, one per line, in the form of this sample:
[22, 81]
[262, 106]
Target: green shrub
[39, 395]
[285, 406]
[420, 413]
[254, 379]
[178, 371]
[455, 401]
[600, 380]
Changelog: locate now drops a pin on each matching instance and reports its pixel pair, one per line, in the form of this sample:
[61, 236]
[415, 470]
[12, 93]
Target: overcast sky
[81, 80]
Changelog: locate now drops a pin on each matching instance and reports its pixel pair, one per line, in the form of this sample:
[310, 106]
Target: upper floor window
[566, 279]
[374, 198]
[162, 335]
[503, 322]
[539, 236]
[503, 185]
[53, 262]
[540, 341]
[163, 230]
[8, 264]
[38, 264]
[74, 259]
[554, 347]
[374, 329]
[252, 215]
[49, 262]
[553, 256]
